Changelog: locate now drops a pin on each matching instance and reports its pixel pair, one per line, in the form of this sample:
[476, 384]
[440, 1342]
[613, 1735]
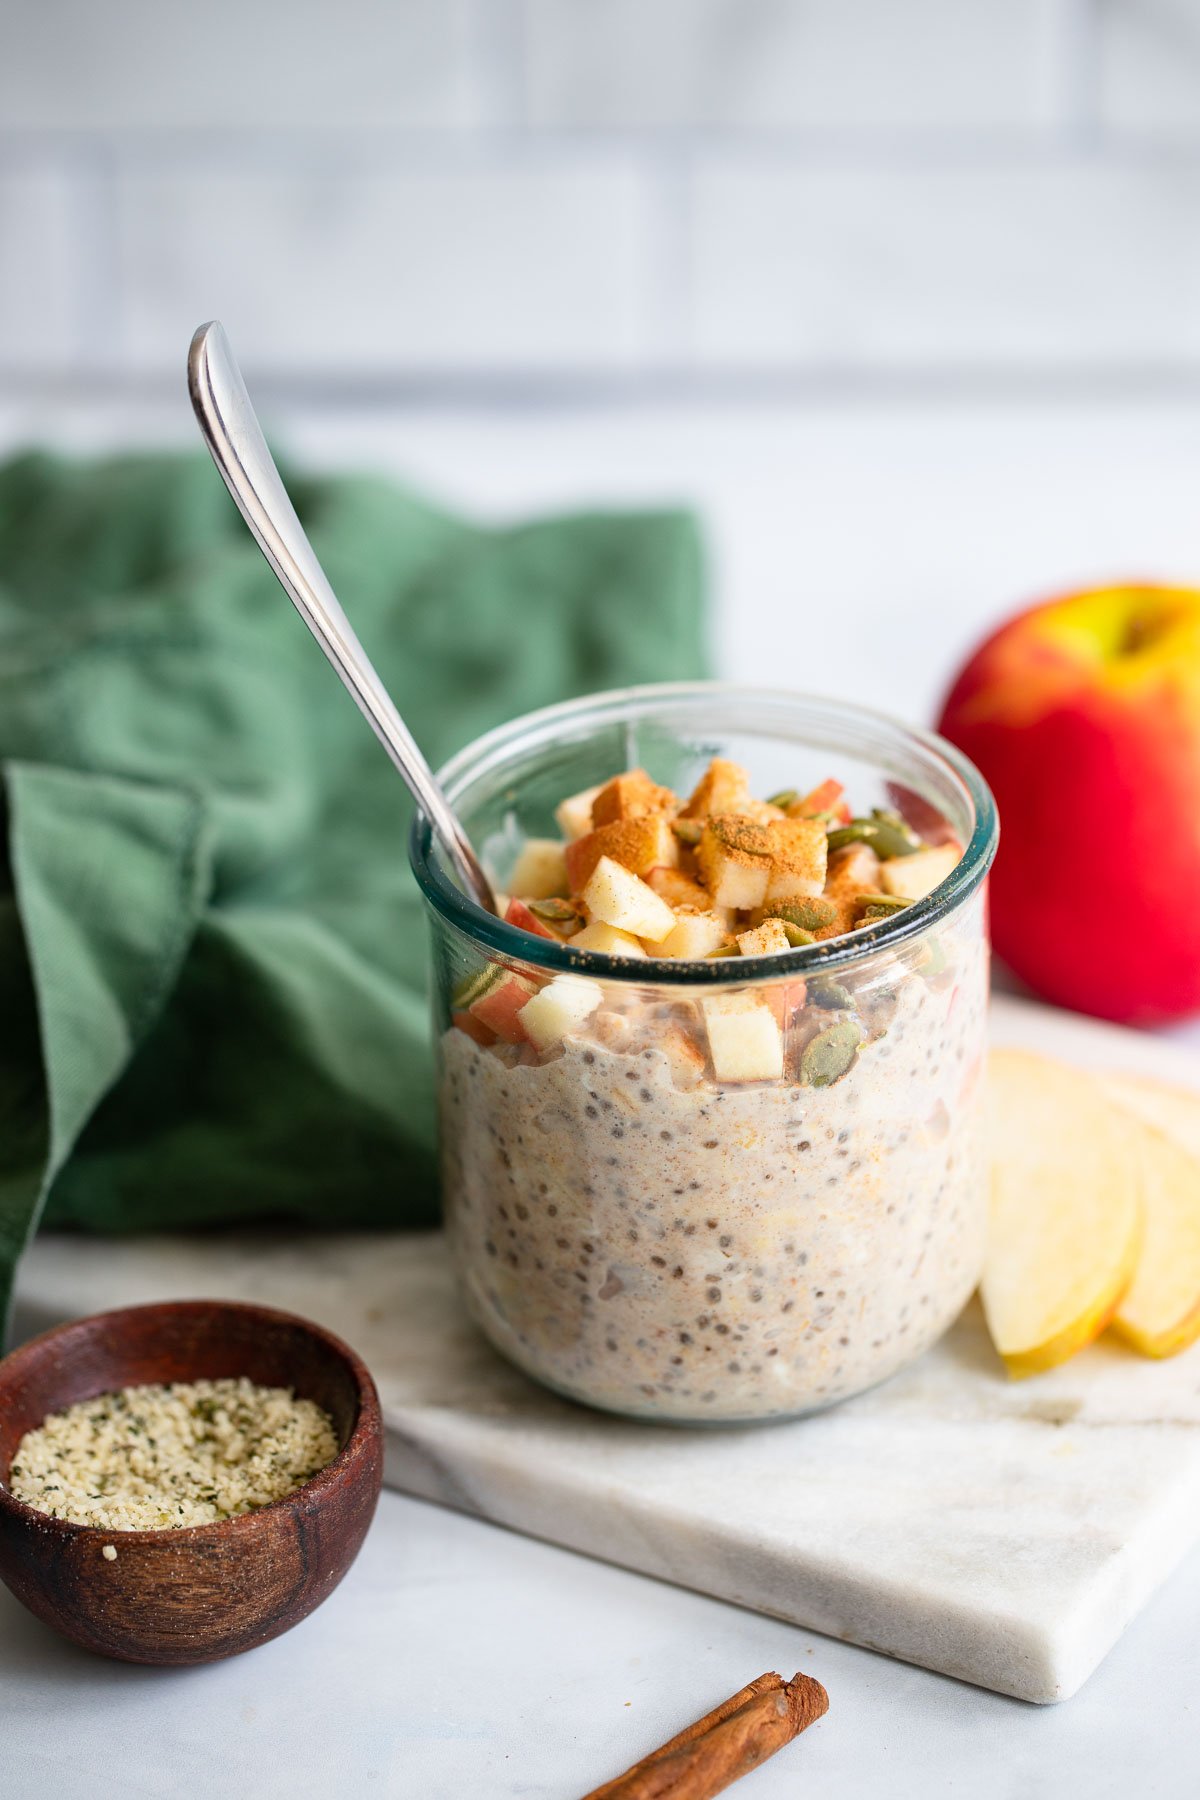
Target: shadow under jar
[643, 1237]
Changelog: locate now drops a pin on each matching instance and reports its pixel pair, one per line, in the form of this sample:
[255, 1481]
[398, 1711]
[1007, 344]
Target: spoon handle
[237, 446]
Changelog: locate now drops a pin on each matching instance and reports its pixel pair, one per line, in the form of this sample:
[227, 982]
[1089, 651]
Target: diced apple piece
[478, 1033]
[853, 871]
[607, 939]
[695, 935]
[734, 858]
[559, 1009]
[676, 888]
[540, 871]
[684, 1055]
[631, 796]
[498, 1007]
[767, 939]
[723, 788]
[1160, 1314]
[1065, 1223]
[744, 1039]
[799, 848]
[518, 914]
[827, 798]
[912, 877]
[573, 816]
[785, 999]
[639, 844]
[616, 896]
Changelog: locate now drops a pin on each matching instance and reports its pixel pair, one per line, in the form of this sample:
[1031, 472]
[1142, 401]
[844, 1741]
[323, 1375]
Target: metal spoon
[237, 446]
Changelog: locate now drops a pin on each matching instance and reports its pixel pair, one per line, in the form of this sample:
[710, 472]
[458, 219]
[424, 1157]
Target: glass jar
[633, 1232]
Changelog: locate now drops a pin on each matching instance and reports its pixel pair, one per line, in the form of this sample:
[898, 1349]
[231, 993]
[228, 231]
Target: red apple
[518, 914]
[1083, 714]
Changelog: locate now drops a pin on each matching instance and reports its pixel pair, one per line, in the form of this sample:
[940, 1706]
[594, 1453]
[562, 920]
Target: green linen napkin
[212, 985]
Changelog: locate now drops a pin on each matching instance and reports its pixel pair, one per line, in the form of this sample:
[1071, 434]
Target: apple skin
[1083, 715]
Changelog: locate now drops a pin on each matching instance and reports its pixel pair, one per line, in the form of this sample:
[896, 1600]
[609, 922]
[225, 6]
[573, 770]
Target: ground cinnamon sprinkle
[728, 1742]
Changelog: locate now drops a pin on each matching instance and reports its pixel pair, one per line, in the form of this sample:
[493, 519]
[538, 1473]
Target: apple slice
[540, 871]
[1160, 1314]
[560, 1008]
[616, 896]
[1065, 1224]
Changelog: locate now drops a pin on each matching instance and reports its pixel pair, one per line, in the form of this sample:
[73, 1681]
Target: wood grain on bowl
[209, 1591]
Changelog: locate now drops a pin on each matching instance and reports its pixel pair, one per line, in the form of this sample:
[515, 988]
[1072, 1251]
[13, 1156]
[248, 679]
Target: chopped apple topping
[631, 796]
[640, 844]
[799, 849]
[744, 1039]
[695, 935]
[734, 860]
[723, 788]
[573, 816]
[606, 938]
[561, 1008]
[912, 877]
[766, 939]
[616, 896]
[540, 871]
[677, 889]
[781, 873]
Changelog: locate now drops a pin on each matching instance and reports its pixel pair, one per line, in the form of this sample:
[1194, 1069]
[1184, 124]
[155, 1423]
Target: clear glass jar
[634, 1233]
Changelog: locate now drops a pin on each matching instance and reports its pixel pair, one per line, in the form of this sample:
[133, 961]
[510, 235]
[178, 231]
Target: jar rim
[549, 722]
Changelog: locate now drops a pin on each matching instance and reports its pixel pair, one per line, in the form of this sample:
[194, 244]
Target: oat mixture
[162, 1458]
[720, 1205]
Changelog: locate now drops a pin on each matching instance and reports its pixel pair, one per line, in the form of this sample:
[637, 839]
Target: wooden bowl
[207, 1591]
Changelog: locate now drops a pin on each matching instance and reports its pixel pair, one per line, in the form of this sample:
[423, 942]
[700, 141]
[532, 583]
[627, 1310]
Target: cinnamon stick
[725, 1744]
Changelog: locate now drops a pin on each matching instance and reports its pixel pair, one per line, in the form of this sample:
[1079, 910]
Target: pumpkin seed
[554, 910]
[784, 798]
[796, 935]
[723, 950]
[886, 834]
[688, 831]
[809, 915]
[830, 995]
[826, 1057]
[881, 906]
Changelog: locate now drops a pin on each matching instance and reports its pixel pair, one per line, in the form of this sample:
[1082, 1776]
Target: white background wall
[499, 197]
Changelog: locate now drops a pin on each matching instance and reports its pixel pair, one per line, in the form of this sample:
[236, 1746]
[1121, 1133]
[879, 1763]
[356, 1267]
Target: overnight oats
[711, 1092]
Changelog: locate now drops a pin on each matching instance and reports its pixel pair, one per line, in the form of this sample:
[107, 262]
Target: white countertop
[866, 547]
[460, 1662]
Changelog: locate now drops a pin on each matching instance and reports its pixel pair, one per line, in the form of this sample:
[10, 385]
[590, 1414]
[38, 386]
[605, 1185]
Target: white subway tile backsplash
[37, 297]
[128, 65]
[1148, 65]
[1068, 265]
[531, 265]
[842, 64]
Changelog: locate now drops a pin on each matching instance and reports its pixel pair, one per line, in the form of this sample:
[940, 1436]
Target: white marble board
[1001, 1532]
